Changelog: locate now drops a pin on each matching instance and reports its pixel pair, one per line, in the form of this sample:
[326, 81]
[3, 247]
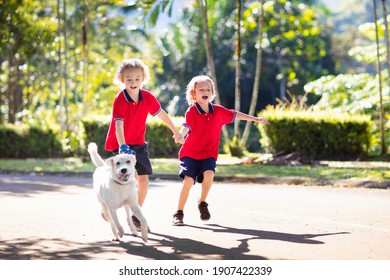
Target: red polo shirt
[205, 131]
[133, 116]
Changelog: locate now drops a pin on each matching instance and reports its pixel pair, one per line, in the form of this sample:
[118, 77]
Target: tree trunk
[65, 31]
[237, 102]
[210, 58]
[256, 86]
[381, 110]
[84, 41]
[282, 80]
[60, 69]
[15, 90]
[387, 40]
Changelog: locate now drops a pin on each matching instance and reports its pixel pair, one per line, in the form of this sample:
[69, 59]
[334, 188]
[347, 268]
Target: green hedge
[316, 135]
[28, 142]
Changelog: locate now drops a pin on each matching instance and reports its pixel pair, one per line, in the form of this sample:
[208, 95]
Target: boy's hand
[262, 120]
[178, 137]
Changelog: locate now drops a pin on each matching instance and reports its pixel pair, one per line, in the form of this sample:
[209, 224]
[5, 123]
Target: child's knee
[208, 174]
[189, 181]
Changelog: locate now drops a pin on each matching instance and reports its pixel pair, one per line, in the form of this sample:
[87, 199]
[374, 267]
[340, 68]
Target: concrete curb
[232, 179]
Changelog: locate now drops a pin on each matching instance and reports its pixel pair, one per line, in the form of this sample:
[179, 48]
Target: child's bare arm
[167, 120]
[120, 135]
[184, 131]
[245, 117]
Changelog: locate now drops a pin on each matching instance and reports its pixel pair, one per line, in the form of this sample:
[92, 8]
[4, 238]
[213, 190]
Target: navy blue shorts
[143, 165]
[195, 168]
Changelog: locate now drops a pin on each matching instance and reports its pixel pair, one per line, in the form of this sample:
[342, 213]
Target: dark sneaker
[204, 211]
[178, 218]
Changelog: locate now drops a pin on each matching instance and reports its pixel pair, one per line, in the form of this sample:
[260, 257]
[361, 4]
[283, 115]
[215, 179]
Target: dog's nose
[124, 170]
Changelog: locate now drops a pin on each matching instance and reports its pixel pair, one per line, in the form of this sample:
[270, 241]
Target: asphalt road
[58, 218]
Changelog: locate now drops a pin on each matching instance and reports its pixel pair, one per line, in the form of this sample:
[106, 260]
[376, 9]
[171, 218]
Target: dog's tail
[95, 157]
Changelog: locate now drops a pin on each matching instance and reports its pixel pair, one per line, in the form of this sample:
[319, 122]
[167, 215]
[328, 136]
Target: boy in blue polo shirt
[199, 153]
[127, 129]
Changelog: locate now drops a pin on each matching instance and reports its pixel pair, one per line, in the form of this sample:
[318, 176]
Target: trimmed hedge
[28, 142]
[316, 135]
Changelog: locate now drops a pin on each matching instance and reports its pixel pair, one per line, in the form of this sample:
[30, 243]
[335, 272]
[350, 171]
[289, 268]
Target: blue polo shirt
[204, 131]
[133, 116]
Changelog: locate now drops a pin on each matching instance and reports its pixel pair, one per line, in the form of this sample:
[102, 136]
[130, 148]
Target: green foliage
[354, 93]
[234, 148]
[159, 138]
[316, 135]
[25, 142]
[95, 129]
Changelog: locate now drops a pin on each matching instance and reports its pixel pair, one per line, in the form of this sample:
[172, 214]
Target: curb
[230, 179]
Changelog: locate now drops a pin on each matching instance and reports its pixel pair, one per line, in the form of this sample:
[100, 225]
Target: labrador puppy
[115, 183]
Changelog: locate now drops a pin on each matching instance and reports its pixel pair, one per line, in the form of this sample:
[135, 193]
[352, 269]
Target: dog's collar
[119, 182]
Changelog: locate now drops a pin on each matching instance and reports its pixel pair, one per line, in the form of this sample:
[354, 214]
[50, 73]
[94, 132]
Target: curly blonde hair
[190, 91]
[132, 63]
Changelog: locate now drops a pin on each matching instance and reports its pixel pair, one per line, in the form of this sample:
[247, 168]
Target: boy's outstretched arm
[167, 120]
[245, 117]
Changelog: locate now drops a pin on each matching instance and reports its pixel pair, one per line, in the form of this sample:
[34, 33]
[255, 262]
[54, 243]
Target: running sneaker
[178, 218]
[204, 211]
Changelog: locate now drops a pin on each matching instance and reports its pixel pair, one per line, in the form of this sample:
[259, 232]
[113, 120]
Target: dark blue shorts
[143, 165]
[195, 168]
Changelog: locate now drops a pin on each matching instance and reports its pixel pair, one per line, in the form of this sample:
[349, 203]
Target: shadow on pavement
[163, 247]
[59, 249]
[32, 185]
[271, 235]
[184, 248]
[51, 249]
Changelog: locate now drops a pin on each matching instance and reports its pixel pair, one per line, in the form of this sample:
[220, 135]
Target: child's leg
[188, 182]
[143, 184]
[208, 178]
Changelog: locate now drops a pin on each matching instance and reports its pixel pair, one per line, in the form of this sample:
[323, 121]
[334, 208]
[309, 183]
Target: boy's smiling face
[203, 92]
[133, 79]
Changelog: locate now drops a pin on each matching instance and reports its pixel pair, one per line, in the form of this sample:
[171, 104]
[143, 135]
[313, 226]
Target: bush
[96, 131]
[316, 135]
[28, 142]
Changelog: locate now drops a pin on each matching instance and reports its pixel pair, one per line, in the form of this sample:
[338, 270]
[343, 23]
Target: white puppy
[115, 185]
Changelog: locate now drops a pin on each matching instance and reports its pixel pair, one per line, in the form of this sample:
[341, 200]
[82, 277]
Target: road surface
[58, 218]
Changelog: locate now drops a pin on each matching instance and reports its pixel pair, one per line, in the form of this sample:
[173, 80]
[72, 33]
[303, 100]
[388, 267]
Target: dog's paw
[134, 232]
[144, 234]
[92, 147]
[121, 232]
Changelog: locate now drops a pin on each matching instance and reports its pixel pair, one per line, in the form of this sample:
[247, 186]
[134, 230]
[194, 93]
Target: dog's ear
[110, 161]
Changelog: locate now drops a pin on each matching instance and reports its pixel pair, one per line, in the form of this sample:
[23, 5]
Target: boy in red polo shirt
[127, 129]
[199, 153]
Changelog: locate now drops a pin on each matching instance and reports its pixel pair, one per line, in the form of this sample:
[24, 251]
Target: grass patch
[228, 167]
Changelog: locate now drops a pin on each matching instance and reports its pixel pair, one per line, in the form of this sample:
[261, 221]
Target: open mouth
[124, 177]
[205, 97]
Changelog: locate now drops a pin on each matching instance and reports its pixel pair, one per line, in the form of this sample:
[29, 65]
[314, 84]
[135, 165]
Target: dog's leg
[116, 227]
[130, 221]
[144, 225]
[107, 214]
